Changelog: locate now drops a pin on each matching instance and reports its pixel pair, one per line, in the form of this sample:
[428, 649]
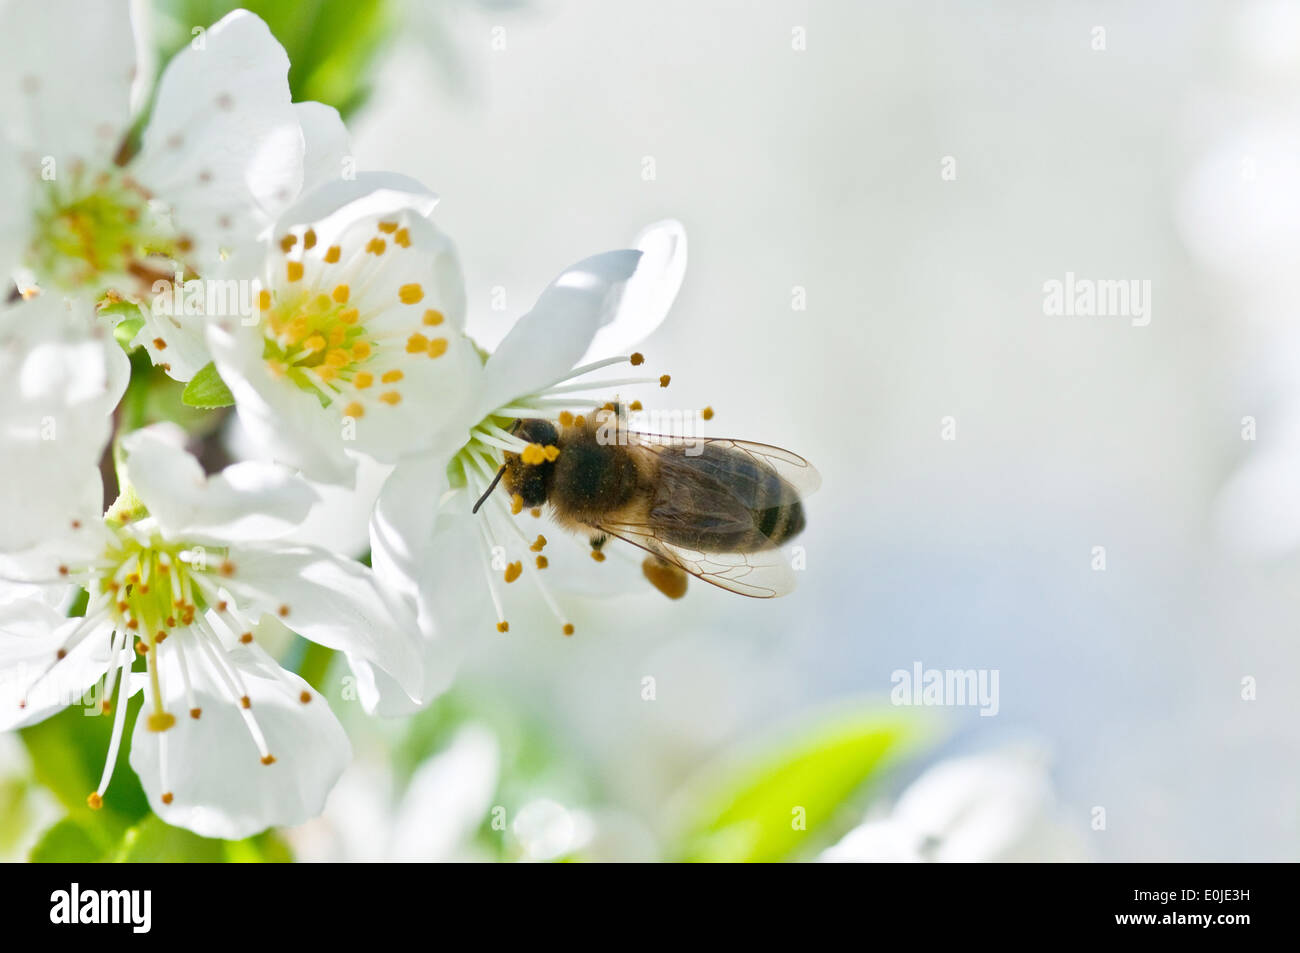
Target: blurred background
[875, 195]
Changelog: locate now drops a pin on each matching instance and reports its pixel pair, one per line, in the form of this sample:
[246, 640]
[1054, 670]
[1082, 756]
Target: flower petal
[327, 144]
[34, 682]
[214, 774]
[649, 293]
[547, 342]
[329, 600]
[224, 148]
[246, 501]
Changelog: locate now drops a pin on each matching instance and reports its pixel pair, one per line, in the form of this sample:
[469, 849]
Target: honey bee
[715, 508]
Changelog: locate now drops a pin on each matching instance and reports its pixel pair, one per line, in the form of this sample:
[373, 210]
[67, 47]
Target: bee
[714, 508]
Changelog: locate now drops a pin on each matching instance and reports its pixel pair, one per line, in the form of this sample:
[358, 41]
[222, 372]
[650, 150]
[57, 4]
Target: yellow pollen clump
[514, 571]
[536, 512]
[503, 626]
[566, 419]
[332, 254]
[388, 227]
[410, 294]
[245, 702]
[638, 359]
[283, 611]
[195, 713]
[533, 454]
[663, 381]
[160, 721]
[376, 246]
[167, 797]
[354, 410]
[579, 420]
[246, 637]
[707, 413]
[160, 344]
[309, 239]
[338, 358]
[363, 380]
[568, 628]
[305, 697]
[597, 555]
[539, 544]
[391, 377]
[288, 242]
[403, 238]
[635, 405]
[361, 350]
[437, 347]
[314, 343]
[416, 343]
[94, 801]
[341, 293]
[433, 317]
[338, 334]
[294, 270]
[268, 759]
[349, 316]
[391, 397]
[551, 452]
[264, 299]
[542, 562]
[516, 504]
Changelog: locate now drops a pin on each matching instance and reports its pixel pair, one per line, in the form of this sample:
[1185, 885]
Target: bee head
[531, 481]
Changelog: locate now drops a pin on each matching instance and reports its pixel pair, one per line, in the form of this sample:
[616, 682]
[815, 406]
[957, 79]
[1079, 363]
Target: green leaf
[68, 841]
[155, 841]
[784, 802]
[207, 390]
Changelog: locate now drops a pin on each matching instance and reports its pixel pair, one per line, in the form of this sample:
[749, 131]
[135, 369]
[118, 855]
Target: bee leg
[598, 541]
[664, 576]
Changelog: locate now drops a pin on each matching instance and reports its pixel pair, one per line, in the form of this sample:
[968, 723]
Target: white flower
[424, 537]
[994, 807]
[358, 346]
[224, 151]
[185, 572]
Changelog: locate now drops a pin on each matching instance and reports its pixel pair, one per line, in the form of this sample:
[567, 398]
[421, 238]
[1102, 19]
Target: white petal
[175, 342]
[246, 501]
[328, 146]
[60, 378]
[218, 784]
[31, 634]
[335, 205]
[224, 148]
[649, 294]
[66, 68]
[548, 342]
[329, 600]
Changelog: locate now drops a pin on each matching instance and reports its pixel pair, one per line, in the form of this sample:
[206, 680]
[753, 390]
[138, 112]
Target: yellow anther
[338, 358]
[542, 562]
[354, 410]
[514, 571]
[638, 359]
[433, 317]
[332, 254]
[288, 242]
[309, 239]
[663, 381]
[416, 343]
[337, 334]
[363, 380]
[349, 316]
[264, 299]
[707, 413]
[403, 238]
[160, 721]
[341, 293]
[327, 373]
[376, 246]
[391, 377]
[538, 544]
[635, 405]
[503, 626]
[94, 801]
[568, 628]
[388, 227]
[410, 294]
[391, 397]
[294, 270]
[361, 350]
[315, 343]
[437, 347]
[516, 504]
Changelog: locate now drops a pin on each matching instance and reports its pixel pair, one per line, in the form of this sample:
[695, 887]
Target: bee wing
[762, 574]
[791, 467]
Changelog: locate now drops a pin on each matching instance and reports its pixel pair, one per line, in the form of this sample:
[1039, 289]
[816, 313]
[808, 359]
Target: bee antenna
[492, 486]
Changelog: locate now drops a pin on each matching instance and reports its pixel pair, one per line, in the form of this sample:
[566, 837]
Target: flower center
[314, 338]
[93, 229]
[152, 588]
